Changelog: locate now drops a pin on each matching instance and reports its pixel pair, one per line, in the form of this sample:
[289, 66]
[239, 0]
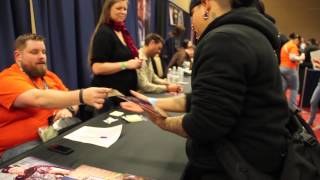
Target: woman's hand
[134, 63]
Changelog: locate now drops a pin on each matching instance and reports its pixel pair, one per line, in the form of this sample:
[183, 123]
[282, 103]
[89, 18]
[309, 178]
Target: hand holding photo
[130, 106]
[136, 105]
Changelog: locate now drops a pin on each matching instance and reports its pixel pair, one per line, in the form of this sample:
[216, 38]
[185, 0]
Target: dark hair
[184, 43]
[313, 41]
[178, 30]
[155, 37]
[234, 3]
[21, 41]
[294, 36]
[193, 4]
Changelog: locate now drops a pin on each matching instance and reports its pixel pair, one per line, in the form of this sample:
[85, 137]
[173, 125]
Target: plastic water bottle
[175, 75]
[180, 73]
[169, 75]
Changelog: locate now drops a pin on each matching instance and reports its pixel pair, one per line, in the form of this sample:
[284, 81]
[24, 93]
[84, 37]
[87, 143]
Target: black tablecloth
[142, 149]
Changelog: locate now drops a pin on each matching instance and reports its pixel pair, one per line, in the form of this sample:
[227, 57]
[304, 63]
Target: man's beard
[34, 72]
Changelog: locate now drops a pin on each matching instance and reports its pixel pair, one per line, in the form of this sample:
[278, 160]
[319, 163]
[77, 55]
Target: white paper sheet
[110, 120]
[116, 113]
[104, 137]
[133, 118]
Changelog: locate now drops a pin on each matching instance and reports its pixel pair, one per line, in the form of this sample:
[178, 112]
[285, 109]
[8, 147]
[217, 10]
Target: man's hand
[174, 88]
[95, 96]
[63, 113]
[158, 118]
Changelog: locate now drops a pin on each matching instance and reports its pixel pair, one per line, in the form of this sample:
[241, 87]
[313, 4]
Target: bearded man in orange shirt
[30, 94]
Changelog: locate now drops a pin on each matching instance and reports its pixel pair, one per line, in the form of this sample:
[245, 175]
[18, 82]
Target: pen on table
[102, 137]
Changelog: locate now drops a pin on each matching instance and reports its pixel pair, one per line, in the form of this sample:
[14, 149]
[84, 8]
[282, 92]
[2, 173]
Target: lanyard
[43, 81]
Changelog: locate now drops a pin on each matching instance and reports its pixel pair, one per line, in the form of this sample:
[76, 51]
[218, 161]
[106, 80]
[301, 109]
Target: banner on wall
[175, 15]
[144, 15]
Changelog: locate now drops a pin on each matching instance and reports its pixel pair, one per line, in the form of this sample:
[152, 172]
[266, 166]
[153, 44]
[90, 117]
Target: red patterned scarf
[120, 26]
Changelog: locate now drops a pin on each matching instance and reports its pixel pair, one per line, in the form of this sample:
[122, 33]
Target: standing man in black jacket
[236, 91]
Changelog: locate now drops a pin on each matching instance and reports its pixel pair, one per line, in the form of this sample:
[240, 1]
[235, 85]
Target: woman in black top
[112, 53]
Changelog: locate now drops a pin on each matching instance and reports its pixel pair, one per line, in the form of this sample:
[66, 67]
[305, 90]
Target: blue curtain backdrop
[67, 26]
[132, 20]
[14, 20]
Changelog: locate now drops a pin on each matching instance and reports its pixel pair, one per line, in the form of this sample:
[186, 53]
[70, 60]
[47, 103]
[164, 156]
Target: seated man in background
[184, 54]
[148, 81]
[30, 94]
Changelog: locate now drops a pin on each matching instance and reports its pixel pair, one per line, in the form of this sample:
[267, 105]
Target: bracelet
[123, 65]
[81, 96]
[71, 109]
[152, 101]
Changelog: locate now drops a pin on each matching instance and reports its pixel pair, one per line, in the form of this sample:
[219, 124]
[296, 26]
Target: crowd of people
[232, 93]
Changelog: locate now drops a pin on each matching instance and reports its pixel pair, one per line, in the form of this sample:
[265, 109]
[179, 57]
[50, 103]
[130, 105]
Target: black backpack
[301, 161]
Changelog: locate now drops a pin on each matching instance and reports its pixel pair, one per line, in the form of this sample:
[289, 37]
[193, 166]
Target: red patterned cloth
[120, 26]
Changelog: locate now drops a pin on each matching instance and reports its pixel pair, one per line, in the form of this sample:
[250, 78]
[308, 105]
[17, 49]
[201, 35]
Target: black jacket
[236, 92]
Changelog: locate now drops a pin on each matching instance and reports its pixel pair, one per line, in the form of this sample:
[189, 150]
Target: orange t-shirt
[286, 50]
[20, 125]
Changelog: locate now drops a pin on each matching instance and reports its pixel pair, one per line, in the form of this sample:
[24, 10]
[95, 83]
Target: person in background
[143, 14]
[312, 45]
[113, 55]
[171, 45]
[158, 66]
[315, 98]
[30, 94]
[184, 54]
[236, 83]
[148, 81]
[290, 60]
